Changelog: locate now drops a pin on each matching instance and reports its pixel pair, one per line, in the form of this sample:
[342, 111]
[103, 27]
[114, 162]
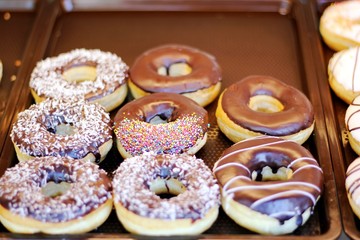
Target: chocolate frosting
[169, 106]
[205, 69]
[279, 199]
[297, 114]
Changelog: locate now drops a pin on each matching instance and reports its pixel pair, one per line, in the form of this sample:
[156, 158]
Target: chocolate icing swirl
[297, 114]
[205, 69]
[279, 199]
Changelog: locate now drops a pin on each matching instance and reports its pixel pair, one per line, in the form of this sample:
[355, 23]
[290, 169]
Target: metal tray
[16, 24]
[270, 37]
[341, 152]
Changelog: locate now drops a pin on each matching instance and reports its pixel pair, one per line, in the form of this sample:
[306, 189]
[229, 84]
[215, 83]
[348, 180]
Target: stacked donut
[60, 140]
[340, 29]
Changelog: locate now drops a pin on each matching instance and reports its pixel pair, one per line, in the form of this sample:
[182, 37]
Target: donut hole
[265, 103]
[65, 129]
[175, 69]
[271, 174]
[57, 183]
[78, 73]
[167, 188]
[165, 116]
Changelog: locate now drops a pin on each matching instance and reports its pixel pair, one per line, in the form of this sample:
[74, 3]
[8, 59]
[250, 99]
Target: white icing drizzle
[233, 164]
[343, 18]
[345, 68]
[20, 189]
[47, 78]
[91, 122]
[281, 194]
[352, 118]
[132, 179]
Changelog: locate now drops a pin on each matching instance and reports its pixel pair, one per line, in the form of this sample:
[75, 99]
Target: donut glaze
[185, 122]
[352, 185]
[21, 190]
[340, 25]
[344, 70]
[239, 174]
[179, 215]
[352, 118]
[47, 79]
[35, 131]
[297, 113]
[205, 70]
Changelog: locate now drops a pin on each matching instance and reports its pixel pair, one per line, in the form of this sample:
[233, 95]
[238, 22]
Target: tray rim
[333, 231]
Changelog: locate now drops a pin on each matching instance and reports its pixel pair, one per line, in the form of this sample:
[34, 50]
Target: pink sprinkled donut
[94, 74]
[54, 195]
[63, 127]
[162, 123]
[138, 182]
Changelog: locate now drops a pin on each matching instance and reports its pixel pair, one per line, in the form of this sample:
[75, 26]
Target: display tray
[12, 48]
[341, 151]
[247, 37]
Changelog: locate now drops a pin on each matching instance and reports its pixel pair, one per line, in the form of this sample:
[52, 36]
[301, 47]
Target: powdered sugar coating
[20, 189]
[31, 132]
[47, 77]
[132, 180]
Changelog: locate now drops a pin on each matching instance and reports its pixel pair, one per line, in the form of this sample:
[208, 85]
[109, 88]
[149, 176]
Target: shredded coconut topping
[34, 131]
[174, 137]
[132, 180]
[20, 189]
[47, 77]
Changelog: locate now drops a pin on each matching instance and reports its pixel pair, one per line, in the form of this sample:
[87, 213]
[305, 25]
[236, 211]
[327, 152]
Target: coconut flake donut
[352, 124]
[269, 185]
[54, 195]
[263, 105]
[96, 75]
[340, 25]
[162, 123]
[63, 127]
[176, 69]
[139, 181]
[352, 185]
[344, 70]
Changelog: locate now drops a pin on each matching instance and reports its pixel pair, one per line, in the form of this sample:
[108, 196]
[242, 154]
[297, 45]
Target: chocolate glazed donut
[269, 185]
[284, 111]
[160, 122]
[196, 73]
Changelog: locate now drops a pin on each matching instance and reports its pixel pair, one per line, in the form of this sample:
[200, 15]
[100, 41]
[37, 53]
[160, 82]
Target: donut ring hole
[166, 185]
[175, 68]
[57, 182]
[58, 125]
[81, 72]
[265, 103]
[271, 174]
[162, 116]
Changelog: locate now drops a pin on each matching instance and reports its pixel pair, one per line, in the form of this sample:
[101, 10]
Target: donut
[343, 71]
[352, 185]
[139, 182]
[93, 74]
[269, 185]
[340, 25]
[263, 105]
[54, 195]
[162, 123]
[63, 127]
[178, 69]
[352, 124]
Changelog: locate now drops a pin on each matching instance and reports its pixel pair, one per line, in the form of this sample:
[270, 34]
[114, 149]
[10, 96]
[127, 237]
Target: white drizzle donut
[352, 124]
[344, 72]
[138, 180]
[340, 25]
[352, 185]
[63, 127]
[274, 207]
[26, 207]
[96, 75]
